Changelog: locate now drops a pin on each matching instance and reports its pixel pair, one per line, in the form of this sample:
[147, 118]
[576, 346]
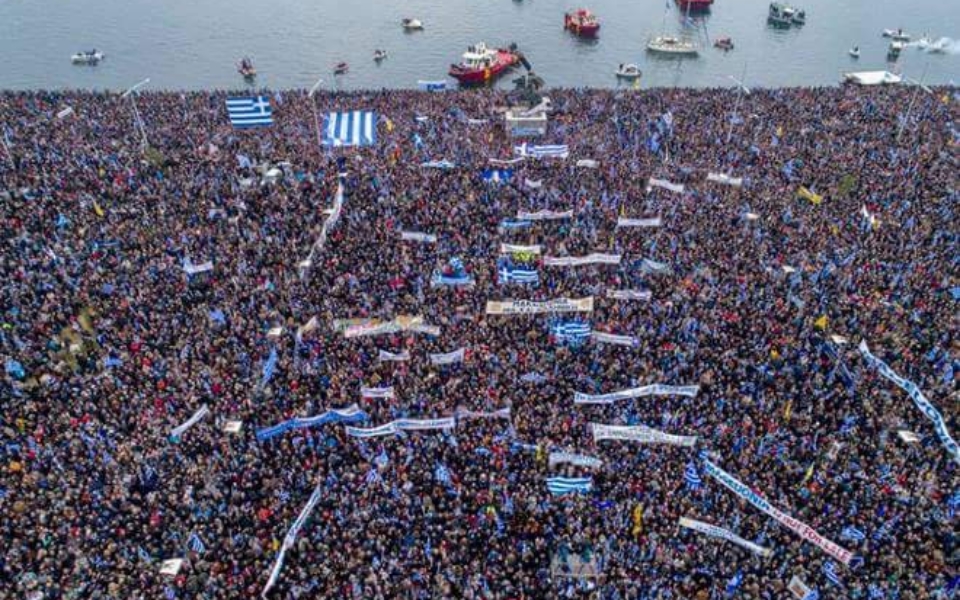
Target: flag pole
[6, 147]
[313, 104]
[136, 112]
[741, 89]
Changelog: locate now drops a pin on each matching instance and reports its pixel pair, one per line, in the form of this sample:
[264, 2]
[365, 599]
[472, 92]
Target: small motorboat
[341, 68]
[411, 24]
[895, 48]
[897, 34]
[379, 55]
[781, 15]
[665, 44]
[723, 43]
[246, 69]
[91, 57]
[799, 17]
[630, 71]
[581, 22]
[854, 52]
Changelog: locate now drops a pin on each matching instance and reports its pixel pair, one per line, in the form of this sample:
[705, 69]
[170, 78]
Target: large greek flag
[355, 128]
[250, 112]
[574, 332]
[569, 485]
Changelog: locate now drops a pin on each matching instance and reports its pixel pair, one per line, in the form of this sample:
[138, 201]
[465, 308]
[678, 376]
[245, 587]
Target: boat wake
[943, 45]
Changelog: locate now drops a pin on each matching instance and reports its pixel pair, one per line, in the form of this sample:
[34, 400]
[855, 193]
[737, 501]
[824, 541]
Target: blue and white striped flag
[692, 477]
[373, 477]
[573, 332]
[830, 572]
[569, 485]
[509, 273]
[144, 555]
[252, 111]
[852, 533]
[354, 128]
[442, 474]
[196, 544]
[269, 367]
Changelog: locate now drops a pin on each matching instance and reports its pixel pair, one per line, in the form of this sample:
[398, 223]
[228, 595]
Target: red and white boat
[481, 64]
[581, 22]
[694, 5]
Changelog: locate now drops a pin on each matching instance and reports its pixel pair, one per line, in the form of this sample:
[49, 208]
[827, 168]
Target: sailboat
[671, 45]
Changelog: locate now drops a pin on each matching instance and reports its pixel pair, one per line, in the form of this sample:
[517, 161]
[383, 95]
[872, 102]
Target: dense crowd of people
[108, 344]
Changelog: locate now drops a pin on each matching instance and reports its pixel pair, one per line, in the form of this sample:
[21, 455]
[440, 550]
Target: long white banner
[448, 358]
[912, 390]
[639, 433]
[531, 307]
[544, 215]
[725, 179]
[720, 532]
[616, 340]
[291, 537]
[464, 414]
[651, 222]
[801, 529]
[402, 425]
[416, 236]
[179, 429]
[378, 392]
[376, 327]
[578, 261]
[663, 183]
[656, 389]
[385, 356]
[630, 294]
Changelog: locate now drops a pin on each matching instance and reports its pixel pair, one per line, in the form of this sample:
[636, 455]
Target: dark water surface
[191, 44]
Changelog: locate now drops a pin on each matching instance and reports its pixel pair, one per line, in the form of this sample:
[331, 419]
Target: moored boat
[379, 55]
[582, 22]
[799, 17]
[669, 45]
[480, 64]
[90, 57]
[872, 78]
[723, 43]
[630, 71]
[341, 68]
[895, 48]
[897, 35]
[780, 15]
[694, 5]
[411, 24]
[855, 52]
[245, 68]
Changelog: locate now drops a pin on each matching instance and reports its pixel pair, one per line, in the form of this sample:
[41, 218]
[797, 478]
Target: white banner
[190, 269]
[588, 163]
[385, 356]
[651, 222]
[719, 532]
[425, 424]
[376, 327]
[448, 358]
[725, 179]
[179, 429]
[464, 414]
[656, 389]
[616, 340]
[369, 432]
[801, 529]
[512, 249]
[639, 433]
[416, 236]
[580, 460]
[291, 537]
[531, 307]
[644, 295]
[578, 261]
[544, 215]
[663, 183]
[379, 392]
[912, 390]
[506, 163]
[652, 266]
[800, 590]
[534, 185]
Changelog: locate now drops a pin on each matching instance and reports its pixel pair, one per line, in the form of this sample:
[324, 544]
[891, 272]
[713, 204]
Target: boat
[854, 52]
[780, 15]
[630, 71]
[895, 48]
[581, 22]
[871, 78]
[480, 64]
[936, 47]
[245, 68]
[341, 68]
[91, 57]
[411, 24]
[723, 43]
[799, 17]
[379, 55]
[665, 44]
[694, 5]
[897, 34]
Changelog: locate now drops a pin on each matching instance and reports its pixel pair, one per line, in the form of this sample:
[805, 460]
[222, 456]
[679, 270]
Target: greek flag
[269, 367]
[555, 151]
[569, 485]
[432, 86]
[144, 555]
[196, 544]
[442, 474]
[692, 477]
[355, 128]
[250, 112]
[491, 175]
[373, 477]
[509, 273]
[733, 583]
[830, 572]
[575, 332]
[852, 533]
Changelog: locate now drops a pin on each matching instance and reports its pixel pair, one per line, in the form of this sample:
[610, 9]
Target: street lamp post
[136, 112]
[313, 104]
[741, 89]
[919, 86]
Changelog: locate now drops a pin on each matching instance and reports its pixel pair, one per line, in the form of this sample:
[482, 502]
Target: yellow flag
[389, 124]
[638, 520]
[779, 131]
[788, 410]
[97, 209]
[809, 474]
[803, 192]
[636, 84]
[821, 323]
